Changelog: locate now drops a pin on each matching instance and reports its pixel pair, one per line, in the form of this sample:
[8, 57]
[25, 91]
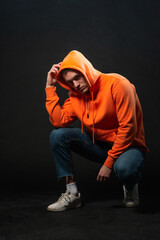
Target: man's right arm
[59, 116]
[52, 75]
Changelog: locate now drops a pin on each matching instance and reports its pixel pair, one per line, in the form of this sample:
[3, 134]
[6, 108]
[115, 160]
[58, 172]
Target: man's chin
[85, 91]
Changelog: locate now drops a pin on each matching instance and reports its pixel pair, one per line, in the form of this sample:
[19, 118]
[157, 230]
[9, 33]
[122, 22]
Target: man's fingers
[104, 179]
[101, 178]
[53, 71]
[56, 65]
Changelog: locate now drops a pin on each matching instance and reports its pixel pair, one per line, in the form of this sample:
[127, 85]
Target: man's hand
[104, 174]
[52, 75]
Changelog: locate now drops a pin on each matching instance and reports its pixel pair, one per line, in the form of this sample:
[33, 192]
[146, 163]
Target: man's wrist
[107, 167]
[48, 86]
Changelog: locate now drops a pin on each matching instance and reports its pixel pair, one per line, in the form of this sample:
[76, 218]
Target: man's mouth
[81, 89]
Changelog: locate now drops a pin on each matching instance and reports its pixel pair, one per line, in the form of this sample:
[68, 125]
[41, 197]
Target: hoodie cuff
[50, 91]
[109, 162]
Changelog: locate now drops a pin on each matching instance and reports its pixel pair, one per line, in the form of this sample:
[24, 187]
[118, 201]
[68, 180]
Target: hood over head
[77, 61]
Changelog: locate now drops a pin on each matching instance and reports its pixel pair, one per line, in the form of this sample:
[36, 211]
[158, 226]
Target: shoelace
[64, 196]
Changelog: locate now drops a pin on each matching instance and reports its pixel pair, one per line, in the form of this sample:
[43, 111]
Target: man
[107, 104]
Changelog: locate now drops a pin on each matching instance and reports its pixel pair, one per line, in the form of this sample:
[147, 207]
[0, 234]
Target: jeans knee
[123, 172]
[56, 136]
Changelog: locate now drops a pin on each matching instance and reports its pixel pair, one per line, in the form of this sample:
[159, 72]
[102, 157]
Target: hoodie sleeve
[124, 96]
[59, 116]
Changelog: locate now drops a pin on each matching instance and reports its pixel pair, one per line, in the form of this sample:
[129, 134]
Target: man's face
[76, 81]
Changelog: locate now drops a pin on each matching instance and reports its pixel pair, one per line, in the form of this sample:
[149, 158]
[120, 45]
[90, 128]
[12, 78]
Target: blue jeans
[127, 167]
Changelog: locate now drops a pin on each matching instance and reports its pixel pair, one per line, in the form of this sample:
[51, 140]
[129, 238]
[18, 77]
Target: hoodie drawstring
[83, 111]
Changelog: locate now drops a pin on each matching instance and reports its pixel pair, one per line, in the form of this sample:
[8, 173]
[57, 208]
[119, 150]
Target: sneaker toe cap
[131, 204]
[55, 207]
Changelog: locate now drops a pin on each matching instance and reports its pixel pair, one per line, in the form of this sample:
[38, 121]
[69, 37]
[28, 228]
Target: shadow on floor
[24, 217]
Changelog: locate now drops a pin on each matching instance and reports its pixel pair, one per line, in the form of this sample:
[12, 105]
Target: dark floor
[24, 217]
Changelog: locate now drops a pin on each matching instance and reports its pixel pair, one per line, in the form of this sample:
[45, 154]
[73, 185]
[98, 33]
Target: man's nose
[76, 84]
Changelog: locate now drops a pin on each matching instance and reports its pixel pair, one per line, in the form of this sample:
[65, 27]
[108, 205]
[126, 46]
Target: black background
[116, 36]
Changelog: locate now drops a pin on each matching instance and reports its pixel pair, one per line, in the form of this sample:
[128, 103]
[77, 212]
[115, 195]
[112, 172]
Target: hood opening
[64, 84]
[77, 61]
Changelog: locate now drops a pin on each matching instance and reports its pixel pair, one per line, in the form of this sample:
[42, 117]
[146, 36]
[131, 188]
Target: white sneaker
[66, 201]
[131, 198]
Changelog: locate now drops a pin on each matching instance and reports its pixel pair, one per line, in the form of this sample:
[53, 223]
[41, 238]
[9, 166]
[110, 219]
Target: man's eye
[70, 83]
[78, 77]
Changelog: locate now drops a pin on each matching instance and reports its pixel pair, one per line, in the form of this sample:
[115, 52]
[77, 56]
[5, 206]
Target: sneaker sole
[64, 209]
[130, 205]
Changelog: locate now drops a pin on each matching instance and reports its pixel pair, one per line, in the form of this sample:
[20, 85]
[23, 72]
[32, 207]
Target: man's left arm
[124, 95]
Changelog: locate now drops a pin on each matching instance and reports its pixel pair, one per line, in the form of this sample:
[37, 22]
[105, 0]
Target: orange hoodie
[111, 113]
